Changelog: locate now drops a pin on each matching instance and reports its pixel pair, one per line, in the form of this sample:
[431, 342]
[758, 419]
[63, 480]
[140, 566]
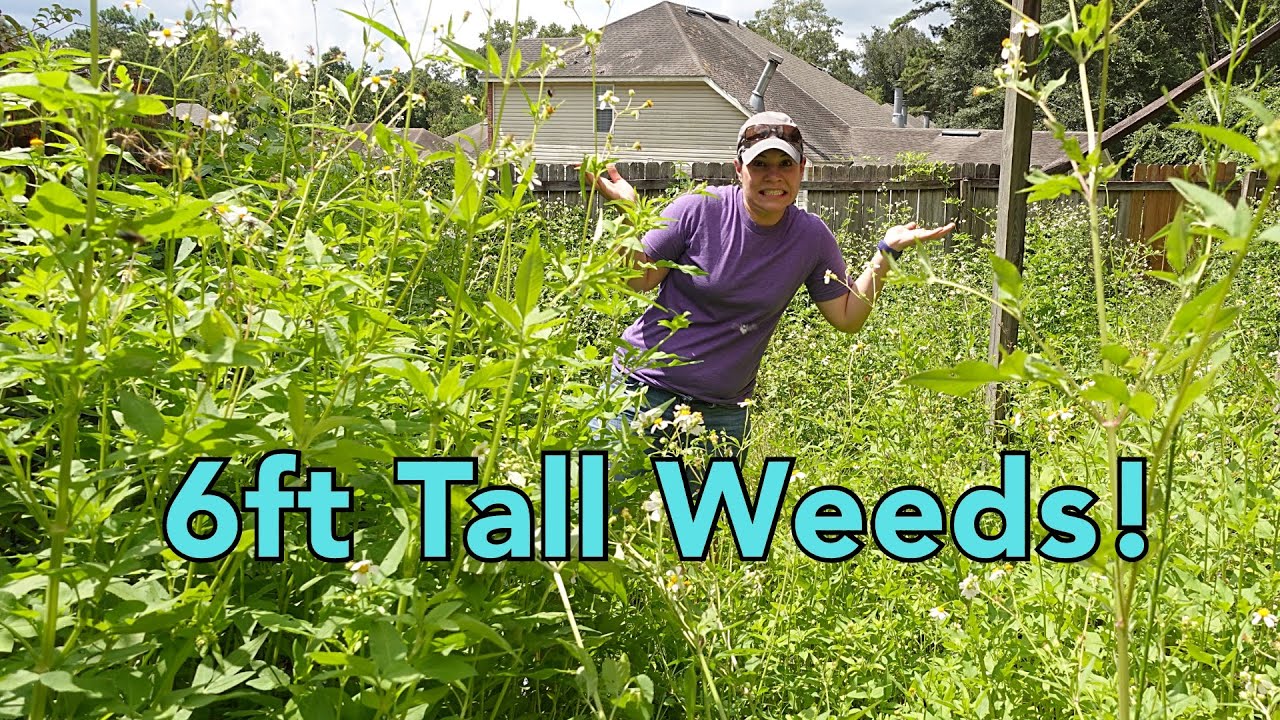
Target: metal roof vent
[756, 102]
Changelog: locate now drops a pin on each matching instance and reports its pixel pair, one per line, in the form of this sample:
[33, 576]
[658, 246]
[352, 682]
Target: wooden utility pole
[1011, 218]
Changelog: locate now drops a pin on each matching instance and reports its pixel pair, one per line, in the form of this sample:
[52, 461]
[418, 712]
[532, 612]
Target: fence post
[1249, 186]
[1011, 218]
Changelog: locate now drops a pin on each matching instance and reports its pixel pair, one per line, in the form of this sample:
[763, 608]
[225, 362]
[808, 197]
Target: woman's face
[770, 183]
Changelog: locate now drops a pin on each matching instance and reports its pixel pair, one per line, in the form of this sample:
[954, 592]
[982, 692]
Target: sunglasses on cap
[756, 133]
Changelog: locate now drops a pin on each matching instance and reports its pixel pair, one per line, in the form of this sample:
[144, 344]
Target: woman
[756, 249]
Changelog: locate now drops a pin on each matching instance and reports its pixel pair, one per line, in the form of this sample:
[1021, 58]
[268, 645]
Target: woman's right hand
[612, 185]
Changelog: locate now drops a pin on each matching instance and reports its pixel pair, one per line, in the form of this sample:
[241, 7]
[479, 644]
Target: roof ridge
[684, 38]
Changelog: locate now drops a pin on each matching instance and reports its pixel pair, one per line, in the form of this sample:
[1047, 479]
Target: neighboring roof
[471, 139]
[883, 145]
[195, 112]
[422, 137]
[669, 40]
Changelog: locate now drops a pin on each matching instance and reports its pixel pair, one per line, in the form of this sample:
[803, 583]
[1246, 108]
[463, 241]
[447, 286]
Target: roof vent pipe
[757, 96]
[928, 118]
[899, 108]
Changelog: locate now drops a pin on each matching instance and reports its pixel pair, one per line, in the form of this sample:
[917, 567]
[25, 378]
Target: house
[699, 68]
[427, 141]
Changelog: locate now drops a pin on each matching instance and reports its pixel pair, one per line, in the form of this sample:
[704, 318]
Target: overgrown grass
[273, 289]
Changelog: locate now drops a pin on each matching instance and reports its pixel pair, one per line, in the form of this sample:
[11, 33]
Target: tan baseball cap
[779, 132]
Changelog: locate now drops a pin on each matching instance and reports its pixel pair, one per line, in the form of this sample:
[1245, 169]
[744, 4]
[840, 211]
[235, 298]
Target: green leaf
[394, 36]
[60, 681]
[1047, 187]
[1008, 280]
[1115, 353]
[1175, 241]
[1107, 387]
[605, 576]
[506, 311]
[529, 277]
[1197, 307]
[476, 629]
[172, 219]
[387, 647]
[392, 560]
[1143, 404]
[445, 668]
[142, 416]
[54, 207]
[1260, 111]
[958, 380]
[1216, 210]
[495, 62]
[469, 57]
[1230, 138]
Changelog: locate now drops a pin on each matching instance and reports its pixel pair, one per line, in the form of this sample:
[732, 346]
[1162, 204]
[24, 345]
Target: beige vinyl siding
[689, 122]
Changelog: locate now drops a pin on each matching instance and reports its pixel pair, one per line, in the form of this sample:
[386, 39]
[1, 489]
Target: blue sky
[291, 25]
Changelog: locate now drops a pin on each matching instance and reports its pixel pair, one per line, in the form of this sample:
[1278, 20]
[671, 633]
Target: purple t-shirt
[752, 273]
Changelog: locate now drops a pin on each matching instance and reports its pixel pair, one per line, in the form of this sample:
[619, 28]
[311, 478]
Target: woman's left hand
[901, 237]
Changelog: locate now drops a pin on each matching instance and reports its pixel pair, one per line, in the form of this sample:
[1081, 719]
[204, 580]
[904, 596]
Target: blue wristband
[884, 248]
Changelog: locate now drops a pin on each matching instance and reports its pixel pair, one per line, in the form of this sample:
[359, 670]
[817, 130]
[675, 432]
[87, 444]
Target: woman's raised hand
[901, 237]
[612, 185]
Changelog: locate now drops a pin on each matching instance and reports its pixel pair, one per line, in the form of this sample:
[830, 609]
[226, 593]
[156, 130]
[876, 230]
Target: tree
[1157, 49]
[805, 29]
[885, 56]
[499, 34]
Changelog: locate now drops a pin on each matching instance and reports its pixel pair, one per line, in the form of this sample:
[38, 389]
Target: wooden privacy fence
[861, 199]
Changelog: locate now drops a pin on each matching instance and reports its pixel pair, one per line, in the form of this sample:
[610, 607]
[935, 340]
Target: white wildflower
[516, 479]
[221, 123]
[937, 613]
[969, 587]
[378, 82]
[688, 421]
[675, 582]
[294, 69]
[1257, 687]
[1026, 27]
[653, 506]
[364, 572]
[169, 36]
[1063, 414]
[1263, 616]
[1008, 50]
[235, 215]
[649, 420]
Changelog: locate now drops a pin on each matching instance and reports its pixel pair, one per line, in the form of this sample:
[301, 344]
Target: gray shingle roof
[470, 139]
[882, 145]
[672, 40]
[195, 112]
[422, 137]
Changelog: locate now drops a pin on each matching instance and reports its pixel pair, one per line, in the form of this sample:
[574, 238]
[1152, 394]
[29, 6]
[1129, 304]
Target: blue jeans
[731, 423]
